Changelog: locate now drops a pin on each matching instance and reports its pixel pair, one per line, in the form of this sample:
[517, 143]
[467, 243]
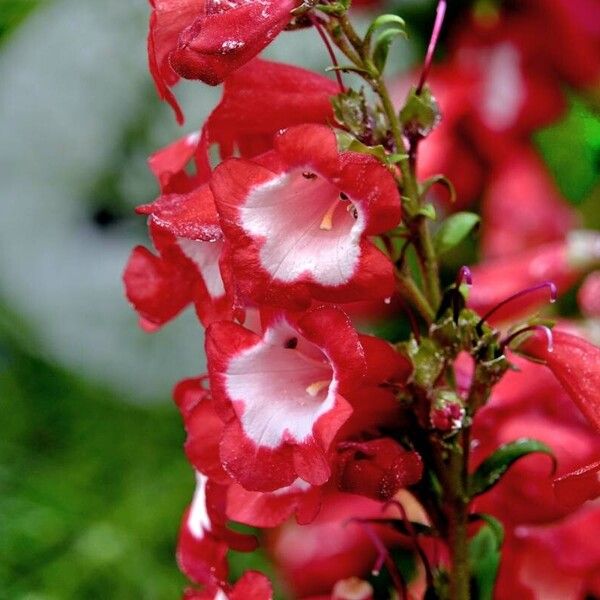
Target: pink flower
[589, 295]
[522, 208]
[284, 390]
[298, 221]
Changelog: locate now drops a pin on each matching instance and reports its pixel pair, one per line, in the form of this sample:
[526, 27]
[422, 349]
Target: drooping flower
[262, 98]
[167, 19]
[226, 35]
[298, 221]
[284, 391]
[576, 364]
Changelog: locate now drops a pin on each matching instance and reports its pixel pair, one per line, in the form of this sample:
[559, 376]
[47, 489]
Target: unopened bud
[447, 412]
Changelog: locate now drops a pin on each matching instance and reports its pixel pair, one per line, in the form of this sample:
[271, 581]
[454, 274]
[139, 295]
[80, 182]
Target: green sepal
[428, 211]
[491, 470]
[420, 113]
[494, 524]
[454, 230]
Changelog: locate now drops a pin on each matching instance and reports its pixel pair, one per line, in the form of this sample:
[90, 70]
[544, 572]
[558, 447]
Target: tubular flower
[226, 35]
[284, 391]
[167, 19]
[186, 271]
[204, 538]
[288, 95]
[576, 364]
[298, 221]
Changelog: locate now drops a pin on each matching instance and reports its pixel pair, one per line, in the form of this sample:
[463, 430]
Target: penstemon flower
[379, 461]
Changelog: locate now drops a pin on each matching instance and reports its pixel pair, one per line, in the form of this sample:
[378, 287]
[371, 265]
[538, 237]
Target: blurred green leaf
[12, 14]
[454, 230]
[571, 149]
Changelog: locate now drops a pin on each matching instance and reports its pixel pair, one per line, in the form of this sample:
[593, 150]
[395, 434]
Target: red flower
[167, 20]
[298, 219]
[226, 35]
[561, 262]
[204, 538]
[264, 97]
[377, 468]
[186, 271]
[522, 208]
[589, 295]
[576, 364]
[284, 391]
[252, 586]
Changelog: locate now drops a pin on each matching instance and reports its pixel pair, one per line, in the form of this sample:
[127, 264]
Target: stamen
[314, 388]
[435, 35]
[383, 557]
[464, 276]
[549, 284]
[546, 330]
[327, 222]
[309, 175]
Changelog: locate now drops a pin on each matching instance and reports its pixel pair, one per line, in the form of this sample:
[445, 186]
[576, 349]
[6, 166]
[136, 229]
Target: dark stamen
[343, 196]
[309, 175]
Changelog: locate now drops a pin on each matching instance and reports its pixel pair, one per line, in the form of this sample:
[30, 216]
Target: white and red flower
[204, 538]
[284, 391]
[186, 271]
[298, 220]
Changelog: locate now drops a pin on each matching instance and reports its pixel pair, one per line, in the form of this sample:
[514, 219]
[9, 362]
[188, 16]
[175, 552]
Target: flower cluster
[294, 243]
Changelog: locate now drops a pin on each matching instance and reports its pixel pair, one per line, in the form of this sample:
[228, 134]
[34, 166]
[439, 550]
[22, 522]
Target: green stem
[409, 291]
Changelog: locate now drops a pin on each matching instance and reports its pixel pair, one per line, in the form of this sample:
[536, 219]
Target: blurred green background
[93, 480]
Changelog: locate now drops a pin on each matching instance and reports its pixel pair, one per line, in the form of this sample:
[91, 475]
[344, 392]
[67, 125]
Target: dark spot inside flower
[291, 344]
[309, 175]
[343, 196]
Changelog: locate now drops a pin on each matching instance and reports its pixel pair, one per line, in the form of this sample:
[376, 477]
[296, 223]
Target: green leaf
[491, 470]
[454, 230]
[494, 524]
[382, 47]
[394, 21]
[484, 559]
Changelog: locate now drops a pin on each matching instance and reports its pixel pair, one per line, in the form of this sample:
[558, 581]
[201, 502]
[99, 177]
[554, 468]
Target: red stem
[316, 22]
